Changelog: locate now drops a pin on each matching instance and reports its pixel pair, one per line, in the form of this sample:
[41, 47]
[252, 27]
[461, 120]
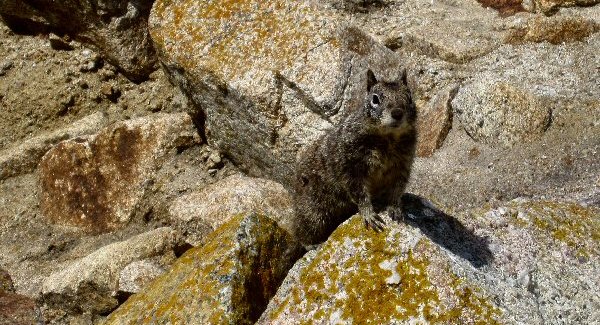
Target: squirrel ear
[371, 80]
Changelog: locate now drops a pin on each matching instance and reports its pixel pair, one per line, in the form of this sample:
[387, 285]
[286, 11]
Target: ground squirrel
[360, 165]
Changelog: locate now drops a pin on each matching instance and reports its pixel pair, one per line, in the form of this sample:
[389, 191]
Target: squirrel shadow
[445, 230]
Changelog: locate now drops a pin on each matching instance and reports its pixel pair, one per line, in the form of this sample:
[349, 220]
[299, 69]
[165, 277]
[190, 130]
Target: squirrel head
[389, 104]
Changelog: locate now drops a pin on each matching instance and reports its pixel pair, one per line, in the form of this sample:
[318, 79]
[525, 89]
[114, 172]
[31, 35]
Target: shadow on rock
[445, 230]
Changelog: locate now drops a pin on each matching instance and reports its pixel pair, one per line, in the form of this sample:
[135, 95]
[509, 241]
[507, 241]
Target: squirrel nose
[397, 114]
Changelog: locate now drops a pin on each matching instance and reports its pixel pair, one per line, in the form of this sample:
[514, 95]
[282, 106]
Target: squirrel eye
[375, 100]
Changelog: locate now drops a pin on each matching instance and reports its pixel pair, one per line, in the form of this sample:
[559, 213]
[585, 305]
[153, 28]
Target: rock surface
[17, 309]
[434, 122]
[96, 183]
[89, 284]
[555, 30]
[263, 95]
[508, 103]
[228, 280]
[6, 283]
[25, 157]
[138, 274]
[203, 211]
[549, 7]
[435, 269]
[117, 28]
[43, 90]
[270, 77]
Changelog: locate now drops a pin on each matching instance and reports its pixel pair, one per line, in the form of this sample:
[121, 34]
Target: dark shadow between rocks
[446, 231]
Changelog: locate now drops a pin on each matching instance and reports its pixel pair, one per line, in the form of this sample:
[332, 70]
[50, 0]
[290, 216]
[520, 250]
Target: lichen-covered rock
[270, 75]
[203, 211]
[548, 251]
[506, 266]
[25, 157]
[516, 94]
[117, 28]
[229, 280]
[90, 283]
[96, 183]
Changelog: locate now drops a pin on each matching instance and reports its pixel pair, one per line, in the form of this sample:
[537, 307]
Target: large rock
[90, 284]
[456, 31]
[495, 111]
[517, 93]
[229, 280]
[203, 211]
[435, 269]
[25, 157]
[117, 28]
[95, 183]
[270, 75]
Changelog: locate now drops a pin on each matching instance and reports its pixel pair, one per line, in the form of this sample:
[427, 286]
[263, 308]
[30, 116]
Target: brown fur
[360, 165]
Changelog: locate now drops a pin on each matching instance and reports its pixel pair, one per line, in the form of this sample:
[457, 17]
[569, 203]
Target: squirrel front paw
[373, 221]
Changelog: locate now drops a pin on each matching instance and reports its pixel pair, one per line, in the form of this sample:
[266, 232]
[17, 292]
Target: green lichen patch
[364, 277]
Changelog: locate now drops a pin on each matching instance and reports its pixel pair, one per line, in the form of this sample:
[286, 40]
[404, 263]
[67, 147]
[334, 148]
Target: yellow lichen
[362, 295]
[569, 223]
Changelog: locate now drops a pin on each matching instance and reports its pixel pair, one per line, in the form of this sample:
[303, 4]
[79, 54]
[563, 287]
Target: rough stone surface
[43, 90]
[505, 103]
[25, 157]
[89, 284]
[96, 183]
[550, 7]
[504, 7]
[138, 274]
[494, 111]
[456, 31]
[435, 269]
[17, 309]
[270, 76]
[45, 86]
[203, 211]
[228, 280]
[434, 122]
[6, 283]
[555, 30]
[117, 28]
